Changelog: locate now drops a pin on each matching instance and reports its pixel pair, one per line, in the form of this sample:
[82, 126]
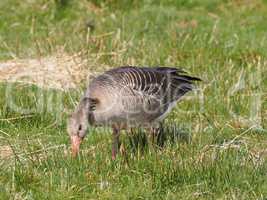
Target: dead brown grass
[5, 152]
[59, 71]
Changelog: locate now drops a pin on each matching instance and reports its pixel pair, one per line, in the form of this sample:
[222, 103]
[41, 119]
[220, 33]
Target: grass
[223, 42]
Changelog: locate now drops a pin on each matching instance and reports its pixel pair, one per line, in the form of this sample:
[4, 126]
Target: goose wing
[152, 91]
[163, 83]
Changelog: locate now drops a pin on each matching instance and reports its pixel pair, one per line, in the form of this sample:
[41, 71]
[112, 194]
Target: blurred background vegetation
[222, 41]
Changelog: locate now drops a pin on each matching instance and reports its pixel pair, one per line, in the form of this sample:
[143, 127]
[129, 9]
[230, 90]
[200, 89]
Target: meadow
[216, 144]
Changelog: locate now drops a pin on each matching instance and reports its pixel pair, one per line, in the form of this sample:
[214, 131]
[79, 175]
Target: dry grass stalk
[16, 118]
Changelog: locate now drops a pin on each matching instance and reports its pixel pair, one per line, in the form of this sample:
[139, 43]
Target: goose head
[77, 130]
[78, 124]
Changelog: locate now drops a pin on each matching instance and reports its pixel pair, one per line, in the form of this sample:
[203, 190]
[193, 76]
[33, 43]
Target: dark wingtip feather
[178, 72]
[186, 78]
[171, 69]
[192, 78]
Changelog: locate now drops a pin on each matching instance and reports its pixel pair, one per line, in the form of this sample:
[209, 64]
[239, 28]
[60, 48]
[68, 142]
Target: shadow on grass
[165, 134]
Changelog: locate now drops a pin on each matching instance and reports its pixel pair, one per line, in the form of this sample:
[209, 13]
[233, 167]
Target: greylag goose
[128, 97]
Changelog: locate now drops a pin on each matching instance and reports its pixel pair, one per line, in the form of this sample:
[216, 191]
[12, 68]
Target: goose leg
[115, 142]
[153, 134]
[161, 137]
[156, 134]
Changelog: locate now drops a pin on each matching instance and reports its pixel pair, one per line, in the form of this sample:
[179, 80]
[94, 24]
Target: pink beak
[75, 144]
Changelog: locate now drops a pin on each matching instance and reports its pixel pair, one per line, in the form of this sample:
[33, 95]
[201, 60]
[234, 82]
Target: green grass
[223, 42]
